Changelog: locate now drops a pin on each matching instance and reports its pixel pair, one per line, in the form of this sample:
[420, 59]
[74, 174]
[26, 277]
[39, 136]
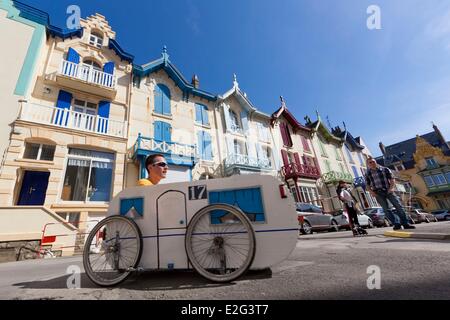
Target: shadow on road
[152, 280]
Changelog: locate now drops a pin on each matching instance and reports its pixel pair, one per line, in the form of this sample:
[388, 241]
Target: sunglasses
[160, 164]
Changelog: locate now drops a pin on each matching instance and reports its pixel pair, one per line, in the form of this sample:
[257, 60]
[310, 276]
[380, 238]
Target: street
[323, 266]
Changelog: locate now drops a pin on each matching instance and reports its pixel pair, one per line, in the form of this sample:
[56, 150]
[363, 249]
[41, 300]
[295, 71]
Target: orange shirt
[144, 182]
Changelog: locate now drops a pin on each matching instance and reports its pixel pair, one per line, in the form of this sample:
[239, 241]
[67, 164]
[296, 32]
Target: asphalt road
[322, 266]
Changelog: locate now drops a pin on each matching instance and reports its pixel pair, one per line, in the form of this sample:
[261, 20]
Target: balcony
[359, 182]
[335, 177]
[65, 118]
[87, 79]
[175, 153]
[235, 163]
[294, 170]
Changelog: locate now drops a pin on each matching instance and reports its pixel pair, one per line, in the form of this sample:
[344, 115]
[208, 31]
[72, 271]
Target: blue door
[34, 188]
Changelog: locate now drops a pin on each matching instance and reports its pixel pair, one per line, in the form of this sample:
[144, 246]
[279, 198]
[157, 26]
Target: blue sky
[387, 85]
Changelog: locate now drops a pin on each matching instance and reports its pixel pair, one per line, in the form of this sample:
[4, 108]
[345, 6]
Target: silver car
[311, 218]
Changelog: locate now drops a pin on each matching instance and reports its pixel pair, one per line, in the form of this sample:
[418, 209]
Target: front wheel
[220, 242]
[112, 248]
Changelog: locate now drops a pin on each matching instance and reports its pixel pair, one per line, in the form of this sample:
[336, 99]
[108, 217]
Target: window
[84, 116]
[285, 134]
[327, 165]
[71, 217]
[238, 147]
[88, 176]
[92, 63]
[431, 163]
[235, 126]
[162, 99]
[355, 172]
[361, 160]
[201, 114]
[263, 131]
[136, 81]
[323, 151]
[349, 154]
[305, 144]
[310, 195]
[38, 151]
[338, 156]
[96, 39]
[204, 145]
[429, 181]
[439, 179]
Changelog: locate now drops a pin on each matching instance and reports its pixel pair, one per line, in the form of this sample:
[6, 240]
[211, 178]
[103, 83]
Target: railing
[359, 182]
[299, 170]
[74, 120]
[174, 148]
[88, 74]
[245, 160]
[334, 176]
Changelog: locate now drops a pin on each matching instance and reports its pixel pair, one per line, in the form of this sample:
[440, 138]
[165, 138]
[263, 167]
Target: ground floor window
[88, 176]
[443, 203]
[71, 217]
[310, 195]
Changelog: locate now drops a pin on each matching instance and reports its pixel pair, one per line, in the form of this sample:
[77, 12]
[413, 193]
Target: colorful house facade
[68, 144]
[300, 168]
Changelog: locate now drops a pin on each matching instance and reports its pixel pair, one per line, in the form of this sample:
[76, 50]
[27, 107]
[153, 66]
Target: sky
[386, 84]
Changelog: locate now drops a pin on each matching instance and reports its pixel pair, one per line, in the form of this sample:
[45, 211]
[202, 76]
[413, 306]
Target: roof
[165, 64]
[42, 17]
[283, 110]
[348, 138]
[319, 126]
[404, 151]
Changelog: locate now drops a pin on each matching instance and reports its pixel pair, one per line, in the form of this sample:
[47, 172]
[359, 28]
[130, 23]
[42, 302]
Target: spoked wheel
[220, 242]
[112, 249]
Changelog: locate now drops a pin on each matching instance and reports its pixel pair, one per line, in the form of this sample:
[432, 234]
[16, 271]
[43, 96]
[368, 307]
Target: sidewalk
[432, 231]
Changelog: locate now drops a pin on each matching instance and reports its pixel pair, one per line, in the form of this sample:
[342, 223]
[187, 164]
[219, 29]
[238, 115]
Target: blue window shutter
[103, 112]
[157, 132]
[198, 113]
[73, 56]
[158, 100]
[244, 118]
[200, 144]
[63, 102]
[355, 172]
[165, 99]
[207, 146]
[166, 132]
[109, 67]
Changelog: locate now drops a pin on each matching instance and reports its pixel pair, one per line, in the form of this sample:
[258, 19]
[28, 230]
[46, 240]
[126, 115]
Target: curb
[404, 234]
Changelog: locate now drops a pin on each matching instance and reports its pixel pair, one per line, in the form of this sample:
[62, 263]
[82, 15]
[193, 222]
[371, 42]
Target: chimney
[382, 148]
[195, 82]
[439, 133]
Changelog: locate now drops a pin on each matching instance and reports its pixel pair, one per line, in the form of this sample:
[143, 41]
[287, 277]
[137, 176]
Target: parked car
[342, 220]
[311, 218]
[441, 215]
[378, 217]
[412, 217]
[425, 216]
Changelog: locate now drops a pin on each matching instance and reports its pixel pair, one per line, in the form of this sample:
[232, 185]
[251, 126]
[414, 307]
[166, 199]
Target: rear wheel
[386, 223]
[307, 229]
[220, 242]
[370, 225]
[112, 249]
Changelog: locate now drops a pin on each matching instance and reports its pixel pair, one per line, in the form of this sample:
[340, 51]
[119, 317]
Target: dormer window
[234, 121]
[431, 163]
[96, 39]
